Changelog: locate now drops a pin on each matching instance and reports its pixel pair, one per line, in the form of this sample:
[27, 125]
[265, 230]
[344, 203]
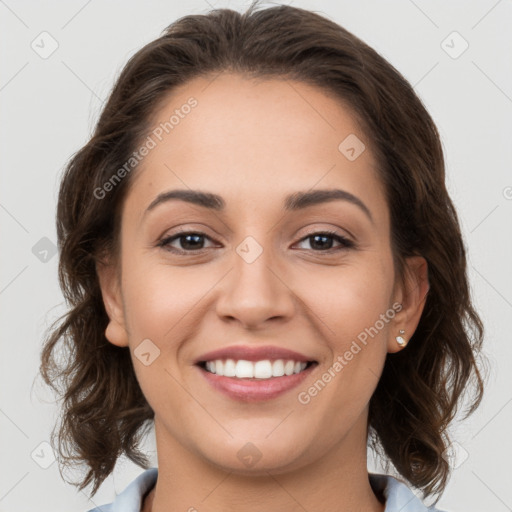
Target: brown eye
[187, 242]
[323, 241]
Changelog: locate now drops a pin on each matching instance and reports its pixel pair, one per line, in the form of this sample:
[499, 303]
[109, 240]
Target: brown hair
[421, 388]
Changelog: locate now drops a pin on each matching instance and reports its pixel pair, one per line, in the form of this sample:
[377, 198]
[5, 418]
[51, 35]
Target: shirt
[399, 498]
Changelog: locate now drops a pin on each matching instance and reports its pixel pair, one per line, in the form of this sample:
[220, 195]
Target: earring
[400, 340]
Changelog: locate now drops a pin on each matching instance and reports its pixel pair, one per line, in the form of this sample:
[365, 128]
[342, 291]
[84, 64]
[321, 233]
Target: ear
[412, 295]
[108, 277]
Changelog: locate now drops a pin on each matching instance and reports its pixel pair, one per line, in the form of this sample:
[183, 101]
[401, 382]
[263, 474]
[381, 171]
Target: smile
[255, 381]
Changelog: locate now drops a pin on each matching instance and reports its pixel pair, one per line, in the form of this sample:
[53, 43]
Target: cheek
[351, 308]
[159, 298]
[163, 305]
[349, 299]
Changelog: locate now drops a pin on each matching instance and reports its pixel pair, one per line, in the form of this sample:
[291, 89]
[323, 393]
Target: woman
[262, 260]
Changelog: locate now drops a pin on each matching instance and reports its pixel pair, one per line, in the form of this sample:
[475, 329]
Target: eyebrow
[293, 202]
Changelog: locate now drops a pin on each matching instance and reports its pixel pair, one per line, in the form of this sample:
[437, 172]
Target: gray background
[49, 107]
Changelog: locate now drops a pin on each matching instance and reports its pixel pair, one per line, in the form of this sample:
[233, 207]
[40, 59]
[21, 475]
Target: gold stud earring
[400, 339]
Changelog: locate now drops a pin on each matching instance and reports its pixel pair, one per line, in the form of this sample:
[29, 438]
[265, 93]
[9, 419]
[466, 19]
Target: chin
[253, 455]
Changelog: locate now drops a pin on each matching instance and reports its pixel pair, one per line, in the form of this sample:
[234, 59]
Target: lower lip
[255, 390]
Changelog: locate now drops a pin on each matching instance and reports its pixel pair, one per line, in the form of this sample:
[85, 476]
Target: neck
[337, 481]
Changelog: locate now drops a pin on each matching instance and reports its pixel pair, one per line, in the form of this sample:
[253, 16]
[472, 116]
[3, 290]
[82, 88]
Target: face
[286, 258]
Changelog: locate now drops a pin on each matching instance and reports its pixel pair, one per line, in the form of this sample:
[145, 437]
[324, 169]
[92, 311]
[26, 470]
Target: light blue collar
[399, 498]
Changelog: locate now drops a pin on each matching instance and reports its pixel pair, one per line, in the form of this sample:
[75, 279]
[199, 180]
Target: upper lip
[247, 353]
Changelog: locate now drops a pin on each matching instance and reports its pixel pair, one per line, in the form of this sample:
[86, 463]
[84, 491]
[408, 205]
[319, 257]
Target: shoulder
[130, 500]
[399, 497]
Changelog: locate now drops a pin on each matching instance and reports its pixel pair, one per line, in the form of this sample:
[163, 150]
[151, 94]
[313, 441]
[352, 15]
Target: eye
[191, 241]
[323, 241]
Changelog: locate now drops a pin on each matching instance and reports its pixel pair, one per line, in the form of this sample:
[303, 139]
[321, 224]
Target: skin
[253, 143]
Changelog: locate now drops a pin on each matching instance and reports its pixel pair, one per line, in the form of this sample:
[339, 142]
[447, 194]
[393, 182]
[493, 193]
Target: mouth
[250, 374]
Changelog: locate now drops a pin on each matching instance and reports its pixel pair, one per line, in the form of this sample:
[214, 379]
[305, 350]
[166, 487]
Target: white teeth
[264, 369]
[289, 367]
[244, 369]
[229, 368]
[278, 368]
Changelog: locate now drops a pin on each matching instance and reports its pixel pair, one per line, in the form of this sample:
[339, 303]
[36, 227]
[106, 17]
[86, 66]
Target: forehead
[253, 142]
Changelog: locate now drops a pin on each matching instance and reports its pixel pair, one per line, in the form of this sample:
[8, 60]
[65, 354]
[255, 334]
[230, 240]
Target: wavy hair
[104, 413]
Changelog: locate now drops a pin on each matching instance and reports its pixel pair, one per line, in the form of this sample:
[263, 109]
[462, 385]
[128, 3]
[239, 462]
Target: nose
[254, 293]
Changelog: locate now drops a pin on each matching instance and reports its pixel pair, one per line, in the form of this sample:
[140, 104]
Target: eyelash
[345, 242]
